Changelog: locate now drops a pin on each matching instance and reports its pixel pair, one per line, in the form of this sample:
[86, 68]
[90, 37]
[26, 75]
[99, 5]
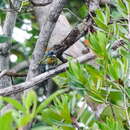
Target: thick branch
[3, 73]
[61, 30]
[24, 64]
[42, 77]
[4, 48]
[44, 36]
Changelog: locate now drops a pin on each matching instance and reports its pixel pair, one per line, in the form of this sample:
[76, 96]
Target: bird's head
[49, 57]
[50, 53]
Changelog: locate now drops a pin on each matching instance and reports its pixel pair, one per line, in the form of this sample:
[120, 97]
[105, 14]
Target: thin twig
[8, 10]
[118, 44]
[12, 74]
[3, 73]
[126, 109]
[112, 110]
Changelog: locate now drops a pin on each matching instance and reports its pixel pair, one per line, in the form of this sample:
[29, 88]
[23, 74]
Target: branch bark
[42, 77]
[4, 48]
[12, 74]
[44, 36]
[61, 30]
[3, 73]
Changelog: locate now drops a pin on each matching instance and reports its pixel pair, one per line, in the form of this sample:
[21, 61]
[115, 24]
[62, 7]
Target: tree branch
[44, 36]
[42, 77]
[61, 30]
[25, 64]
[3, 73]
[117, 44]
[4, 48]
[12, 74]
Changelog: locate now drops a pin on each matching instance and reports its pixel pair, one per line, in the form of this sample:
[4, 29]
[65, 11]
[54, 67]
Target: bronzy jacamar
[49, 62]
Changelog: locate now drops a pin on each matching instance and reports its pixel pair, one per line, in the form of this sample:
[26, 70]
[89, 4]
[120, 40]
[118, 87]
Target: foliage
[24, 113]
[3, 38]
[90, 96]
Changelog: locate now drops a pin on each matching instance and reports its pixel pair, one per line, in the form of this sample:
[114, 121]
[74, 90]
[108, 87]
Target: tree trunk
[5, 47]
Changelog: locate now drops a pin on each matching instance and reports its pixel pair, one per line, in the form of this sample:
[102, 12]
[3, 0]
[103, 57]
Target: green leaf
[111, 124]
[49, 115]
[25, 120]
[127, 4]
[14, 103]
[95, 96]
[25, 3]
[62, 124]
[101, 25]
[49, 99]
[57, 117]
[118, 111]
[65, 111]
[30, 101]
[107, 14]
[100, 16]
[6, 121]
[83, 11]
[121, 4]
[125, 68]
[116, 28]
[94, 43]
[98, 43]
[113, 73]
[122, 8]
[93, 71]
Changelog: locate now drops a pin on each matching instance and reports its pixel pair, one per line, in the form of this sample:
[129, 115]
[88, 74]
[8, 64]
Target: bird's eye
[51, 53]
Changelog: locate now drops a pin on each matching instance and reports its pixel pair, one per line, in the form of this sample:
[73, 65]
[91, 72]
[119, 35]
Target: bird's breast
[51, 61]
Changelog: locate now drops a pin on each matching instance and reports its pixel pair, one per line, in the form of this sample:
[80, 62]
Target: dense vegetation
[90, 95]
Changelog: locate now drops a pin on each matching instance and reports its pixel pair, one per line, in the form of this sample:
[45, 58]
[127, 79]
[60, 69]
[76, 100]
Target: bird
[48, 62]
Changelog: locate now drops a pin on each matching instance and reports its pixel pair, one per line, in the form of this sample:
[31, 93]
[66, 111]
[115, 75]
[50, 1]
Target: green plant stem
[113, 113]
[126, 110]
